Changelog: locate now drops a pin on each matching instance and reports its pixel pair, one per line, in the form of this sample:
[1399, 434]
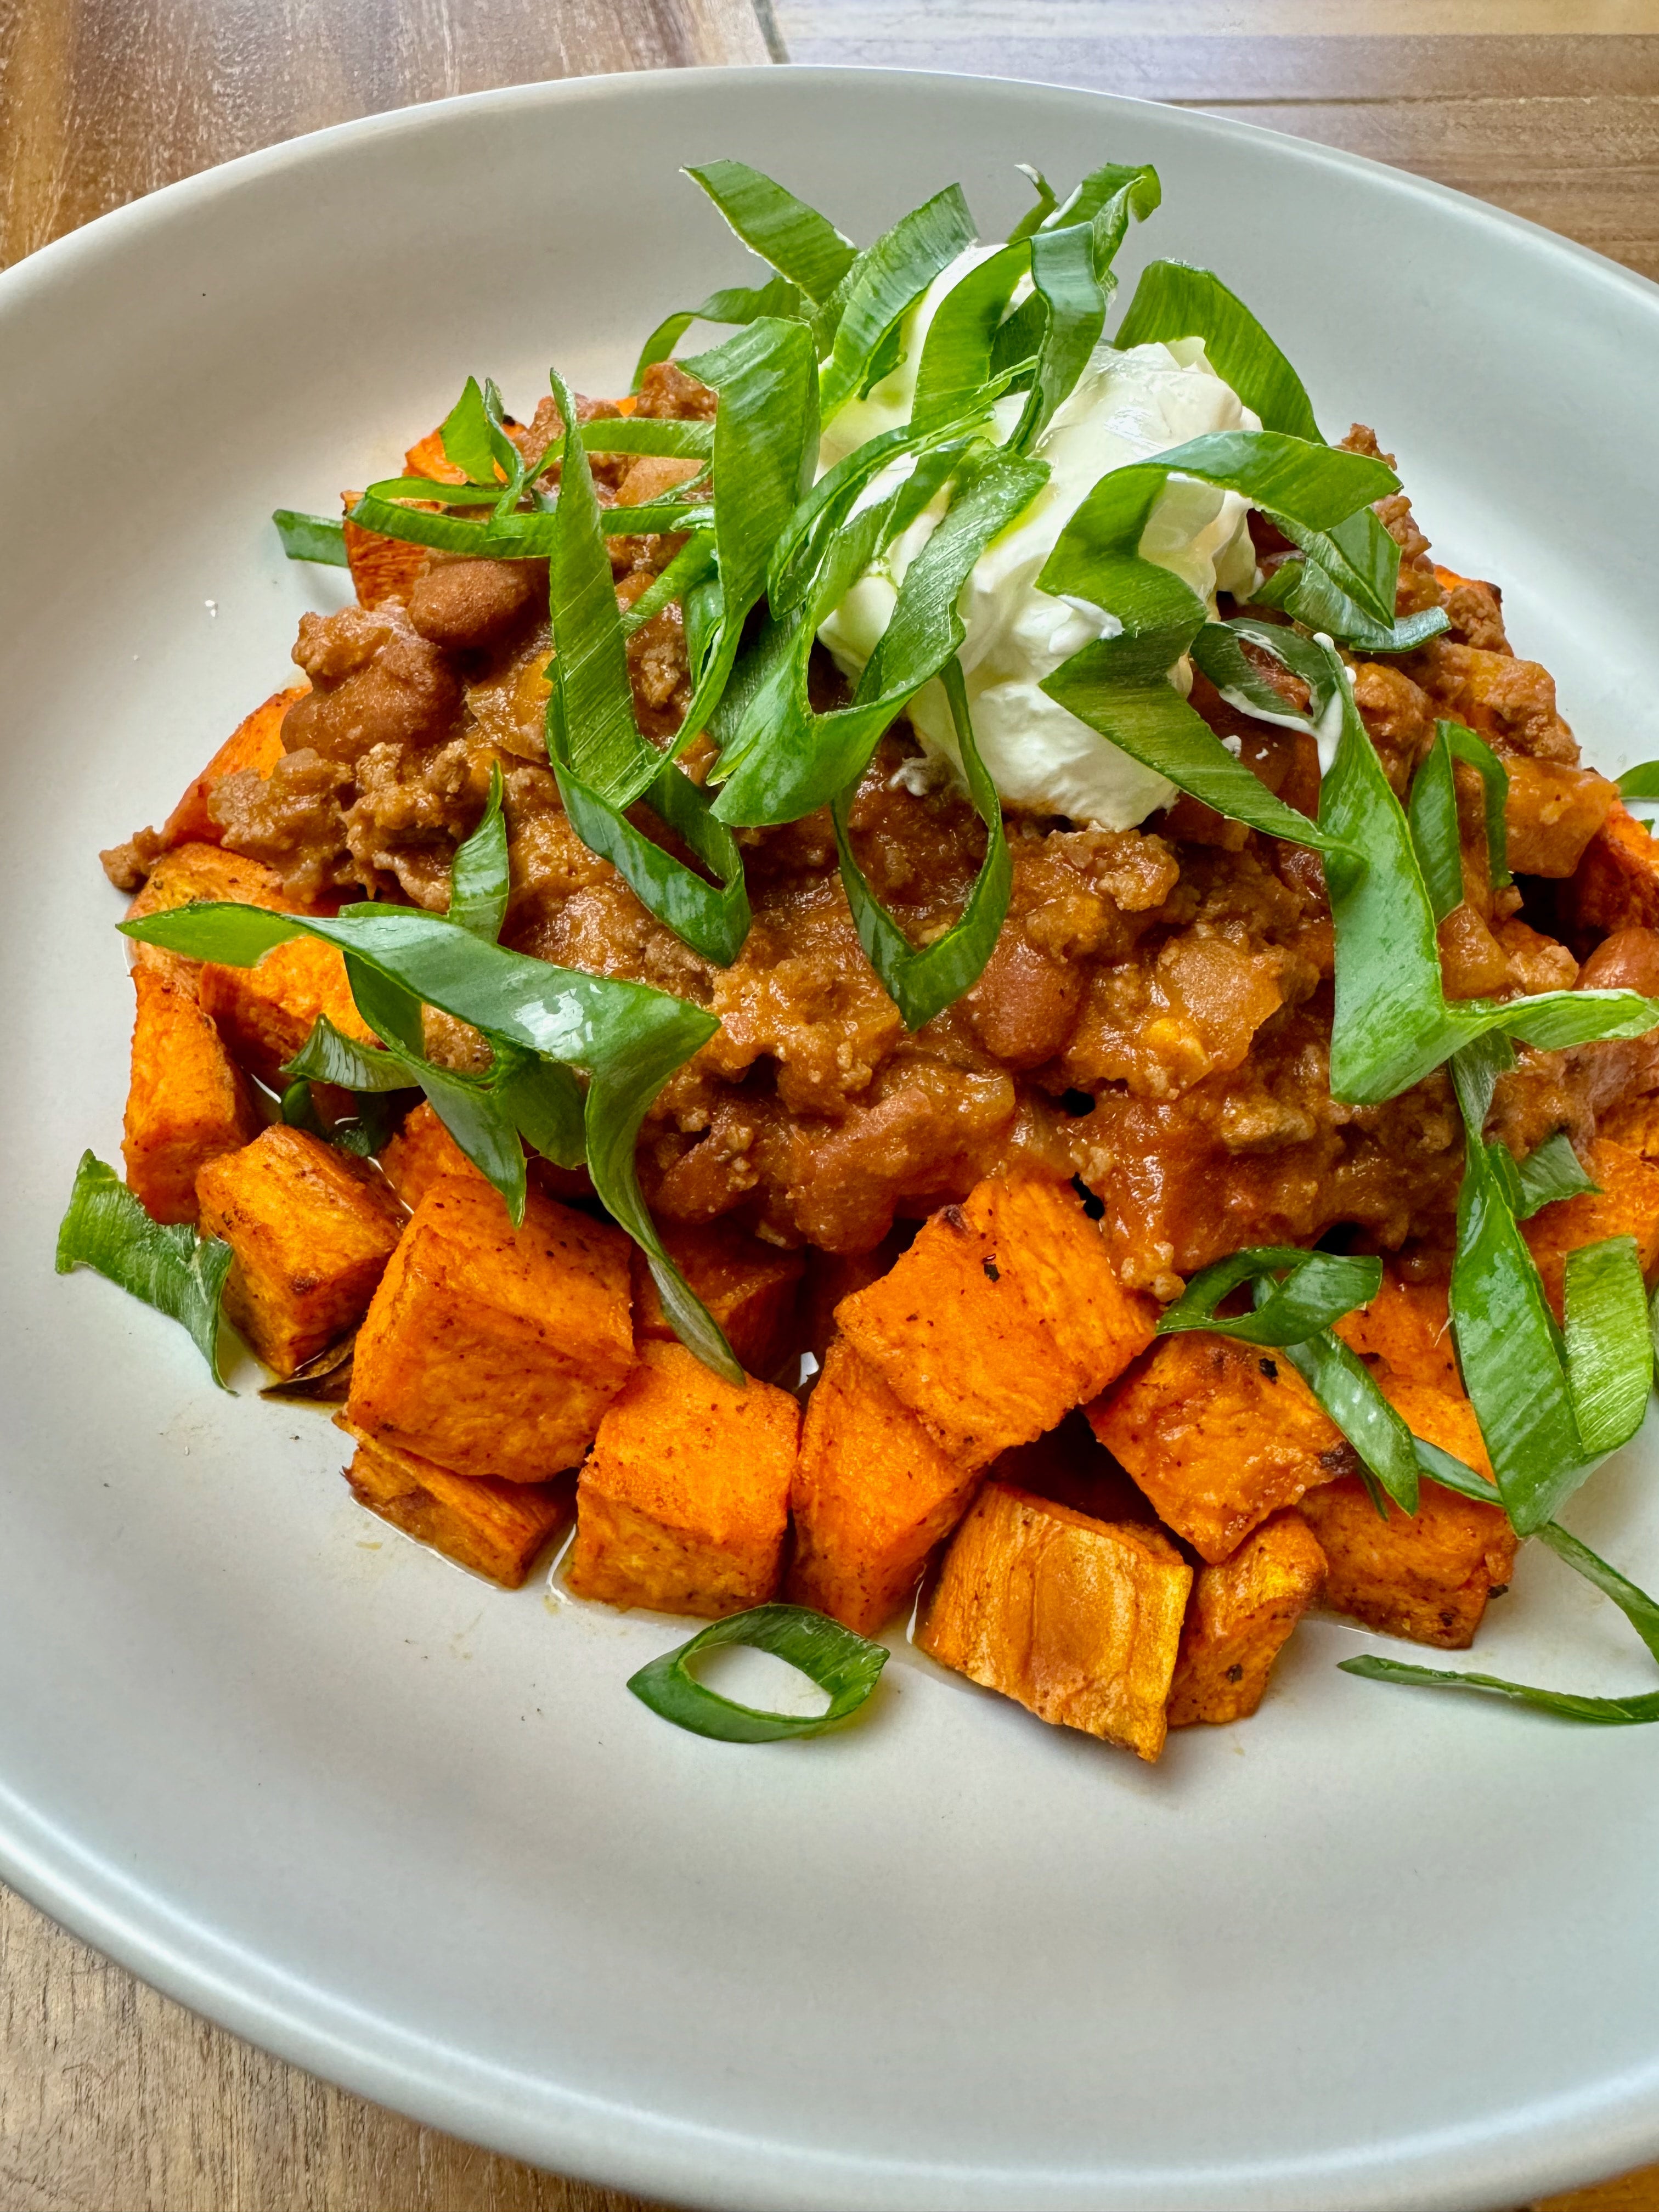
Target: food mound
[931, 955]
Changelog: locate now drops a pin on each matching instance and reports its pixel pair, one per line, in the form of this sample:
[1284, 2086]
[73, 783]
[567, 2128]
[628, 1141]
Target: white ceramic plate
[1375, 1948]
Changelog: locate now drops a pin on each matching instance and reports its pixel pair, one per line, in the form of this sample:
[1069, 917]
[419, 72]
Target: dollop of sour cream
[1126, 407]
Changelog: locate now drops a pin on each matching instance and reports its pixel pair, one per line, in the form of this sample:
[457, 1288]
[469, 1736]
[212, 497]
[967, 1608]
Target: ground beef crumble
[1155, 1018]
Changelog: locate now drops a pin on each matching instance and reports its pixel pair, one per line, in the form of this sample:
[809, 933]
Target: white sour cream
[1126, 407]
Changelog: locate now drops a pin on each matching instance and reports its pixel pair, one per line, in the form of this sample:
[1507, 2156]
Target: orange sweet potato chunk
[1240, 1615]
[312, 1229]
[1004, 1314]
[1634, 1123]
[383, 568]
[1439, 1417]
[497, 1528]
[426, 458]
[1218, 1435]
[257, 743]
[420, 1154]
[1426, 1575]
[493, 1349]
[683, 1504]
[1076, 1620]
[872, 1494]
[749, 1287]
[1616, 884]
[1627, 1205]
[186, 1102]
[1408, 1325]
[266, 1012]
[199, 872]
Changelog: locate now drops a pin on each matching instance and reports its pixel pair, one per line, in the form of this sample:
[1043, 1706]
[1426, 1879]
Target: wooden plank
[111, 2096]
[101, 100]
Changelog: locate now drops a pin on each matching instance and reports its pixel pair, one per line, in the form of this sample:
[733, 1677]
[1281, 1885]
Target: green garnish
[1071, 252]
[1432, 813]
[922, 981]
[847, 1666]
[165, 1264]
[1641, 782]
[1549, 1403]
[319, 538]
[881, 286]
[479, 878]
[628, 1038]
[1552, 1170]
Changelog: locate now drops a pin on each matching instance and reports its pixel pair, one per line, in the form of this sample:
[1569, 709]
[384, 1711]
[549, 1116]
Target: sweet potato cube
[266, 1012]
[257, 743]
[1426, 1575]
[1634, 1123]
[1242, 1612]
[493, 1349]
[1439, 1417]
[420, 1154]
[312, 1229]
[1616, 883]
[1218, 1435]
[1004, 1314]
[829, 1278]
[186, 1104]
[199, 872]
[1078, 1619]
[383, 568]
[872, 1494]
[497, 1528]
[1627, 1205]
[749, 1288]
[1409, 1325]
[682, 1503]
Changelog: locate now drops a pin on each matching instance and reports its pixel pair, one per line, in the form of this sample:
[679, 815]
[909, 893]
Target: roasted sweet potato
[1073, 1467]
[1615, 885]
[1551, 813]
[493, 1350]
[1078, 1619]
[312, 1229]
[1634, 1123]
[266, 1012]
[1004, 1314]
[383, 568]
[199, 872]
[749, 1288]
[1241, 1613]
[257, 743]
[1409, 1325]
[1426, 1575]
[497, 1528]
[1218, 1435]
[1627, 1205]
[682, 1503]
[829, 1278]
[186, 1102]
[872, 1494]
[426, 458]
[420, 1154]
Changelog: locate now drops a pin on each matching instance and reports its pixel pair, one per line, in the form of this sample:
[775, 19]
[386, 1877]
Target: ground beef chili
[1155, 1019]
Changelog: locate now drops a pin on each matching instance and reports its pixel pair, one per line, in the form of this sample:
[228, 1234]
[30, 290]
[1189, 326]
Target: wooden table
[111, 2096]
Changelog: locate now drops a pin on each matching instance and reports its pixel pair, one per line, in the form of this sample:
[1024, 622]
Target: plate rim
[1553, 2144]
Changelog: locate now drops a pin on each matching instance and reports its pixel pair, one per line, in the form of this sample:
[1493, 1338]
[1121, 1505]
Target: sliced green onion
[765, 446]
[1307, 1291]
[1609, 1349]
[465, 435]
[889, 279]
[847, 1665]
[1071, 254]
[922, 981]
[694, 560]
[1551, 1171]
[1608, 1712]
[956, 354]
[480, 878]
[1047, 201]
[1641, 782]
[639, 434]
[1219, 651]
[1432, 814]
[737, 303]
[165, 1264]
[796, 240]
[712, 918]
[1174, 300]
[592, 694]
[782, 760]
[319, 537]
[628, 1038]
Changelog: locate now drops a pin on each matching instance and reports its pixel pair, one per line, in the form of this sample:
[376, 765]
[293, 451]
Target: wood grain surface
[111, 2097]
